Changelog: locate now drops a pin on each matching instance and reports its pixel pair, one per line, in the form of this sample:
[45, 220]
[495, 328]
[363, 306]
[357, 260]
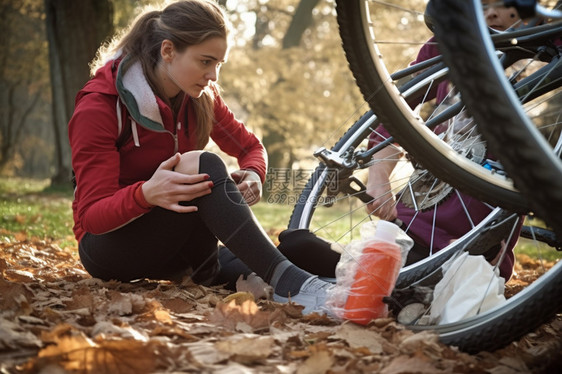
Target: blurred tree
[23, 86]
[125, 11]
[75, 30]
[27, 141]
[294, 98]
[302, 20]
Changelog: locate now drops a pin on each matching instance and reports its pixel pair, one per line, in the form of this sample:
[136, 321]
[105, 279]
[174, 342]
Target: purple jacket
[450, 220]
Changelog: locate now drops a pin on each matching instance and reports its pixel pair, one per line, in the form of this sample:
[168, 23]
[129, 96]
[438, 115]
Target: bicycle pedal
[403, 297]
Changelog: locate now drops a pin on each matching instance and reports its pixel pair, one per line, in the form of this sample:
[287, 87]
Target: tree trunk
[75, 30]
[299, 23]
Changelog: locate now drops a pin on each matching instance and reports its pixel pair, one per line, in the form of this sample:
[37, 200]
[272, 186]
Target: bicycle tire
[373, 79]
[536, 171]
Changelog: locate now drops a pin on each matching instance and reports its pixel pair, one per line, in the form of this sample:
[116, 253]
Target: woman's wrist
[140, 199]
[253, 171]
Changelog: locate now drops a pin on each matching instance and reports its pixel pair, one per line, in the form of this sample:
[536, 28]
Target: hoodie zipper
[176, 144]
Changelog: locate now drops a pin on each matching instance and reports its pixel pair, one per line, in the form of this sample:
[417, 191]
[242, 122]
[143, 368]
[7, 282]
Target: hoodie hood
[137, 95]
[126, 80]
[103, 81]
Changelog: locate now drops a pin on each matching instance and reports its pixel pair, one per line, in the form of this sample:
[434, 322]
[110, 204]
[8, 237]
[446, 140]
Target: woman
[149, 203]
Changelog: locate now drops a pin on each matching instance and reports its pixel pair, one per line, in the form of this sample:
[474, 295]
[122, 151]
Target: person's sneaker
[312, 296]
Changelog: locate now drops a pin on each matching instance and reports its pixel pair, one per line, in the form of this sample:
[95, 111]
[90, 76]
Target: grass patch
[33, 208]
[537, 250]
[11, 186]
[272, 217]
[29, 209]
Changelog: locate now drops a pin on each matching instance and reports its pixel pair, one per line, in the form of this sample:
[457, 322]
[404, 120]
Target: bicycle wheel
[373, 48]
[332, 205]
[516, 112]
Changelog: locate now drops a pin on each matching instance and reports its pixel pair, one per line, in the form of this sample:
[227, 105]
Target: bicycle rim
[533, 160]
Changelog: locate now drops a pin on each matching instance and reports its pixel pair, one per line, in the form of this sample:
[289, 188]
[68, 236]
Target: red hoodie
[107, 175]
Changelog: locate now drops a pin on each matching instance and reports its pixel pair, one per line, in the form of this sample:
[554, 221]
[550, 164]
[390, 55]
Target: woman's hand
[378, 184]
[166, 188]
[249, 184]
[383, 204]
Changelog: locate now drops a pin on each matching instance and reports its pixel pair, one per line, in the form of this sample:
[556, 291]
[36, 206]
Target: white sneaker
[312, 295]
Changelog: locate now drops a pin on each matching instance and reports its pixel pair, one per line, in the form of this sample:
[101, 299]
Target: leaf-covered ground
[55, 318]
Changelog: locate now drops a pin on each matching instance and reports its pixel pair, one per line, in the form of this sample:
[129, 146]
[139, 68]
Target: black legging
[163, 244]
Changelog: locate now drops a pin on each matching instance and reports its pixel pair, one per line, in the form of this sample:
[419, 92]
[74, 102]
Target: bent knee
[189, 162]
[195, 162]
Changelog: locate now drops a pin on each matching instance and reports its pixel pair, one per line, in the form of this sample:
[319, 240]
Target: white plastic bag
[470, 285]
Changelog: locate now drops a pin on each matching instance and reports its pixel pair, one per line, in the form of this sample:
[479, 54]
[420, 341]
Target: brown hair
[185, 23]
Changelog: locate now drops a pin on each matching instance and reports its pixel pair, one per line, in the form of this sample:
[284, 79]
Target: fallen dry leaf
[320, 361]
[411, 364]
[359, 337]
[239, 297]
[231, 315]
[13, 336]
[247, 350]
[254, 285]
